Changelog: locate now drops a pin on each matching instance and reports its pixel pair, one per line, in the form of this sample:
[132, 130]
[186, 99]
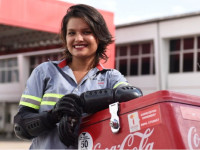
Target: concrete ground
[14, 145]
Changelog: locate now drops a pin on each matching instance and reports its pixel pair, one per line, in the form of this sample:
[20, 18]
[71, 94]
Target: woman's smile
[80, 46]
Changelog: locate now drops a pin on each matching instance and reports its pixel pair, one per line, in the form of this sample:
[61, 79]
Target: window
[198, 65]
[36, 60]
[184, 54]
[175, 45]
[123, 66]
[135, 59]
[174, 63]
[9, 70]
[188, 62]
[123, 50]
[198, 54]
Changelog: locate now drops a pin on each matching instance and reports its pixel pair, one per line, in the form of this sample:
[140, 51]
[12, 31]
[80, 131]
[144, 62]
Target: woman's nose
[79, 37]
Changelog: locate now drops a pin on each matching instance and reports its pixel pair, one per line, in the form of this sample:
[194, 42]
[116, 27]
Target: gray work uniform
[46, 86]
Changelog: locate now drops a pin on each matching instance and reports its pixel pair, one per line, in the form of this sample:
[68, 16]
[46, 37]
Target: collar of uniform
[63, 63]
[100, 67]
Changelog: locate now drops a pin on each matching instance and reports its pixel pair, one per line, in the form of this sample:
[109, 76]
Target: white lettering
[193, 139]
[148, 112]
[97, 146]
[130, 139]
[153, 121]
[143, 124]
[149, 116]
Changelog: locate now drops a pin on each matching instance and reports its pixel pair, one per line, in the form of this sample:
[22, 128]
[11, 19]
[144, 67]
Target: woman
[55, 95]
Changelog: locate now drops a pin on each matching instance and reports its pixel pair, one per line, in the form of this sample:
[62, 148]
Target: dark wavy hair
[97, 24]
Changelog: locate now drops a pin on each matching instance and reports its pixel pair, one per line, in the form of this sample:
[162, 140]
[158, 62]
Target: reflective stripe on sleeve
[29, 105]
[119, 84]
[53, 95]
[30, 101]
[48, 103]
[50, 98]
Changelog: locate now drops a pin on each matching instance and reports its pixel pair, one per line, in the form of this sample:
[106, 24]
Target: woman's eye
[87, 32]
[70, 33]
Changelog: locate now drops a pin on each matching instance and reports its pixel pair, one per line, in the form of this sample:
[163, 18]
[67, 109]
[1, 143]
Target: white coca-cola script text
[129, 142]
[193, 139]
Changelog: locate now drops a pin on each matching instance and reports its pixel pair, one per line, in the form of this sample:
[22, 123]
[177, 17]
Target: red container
[161, 120]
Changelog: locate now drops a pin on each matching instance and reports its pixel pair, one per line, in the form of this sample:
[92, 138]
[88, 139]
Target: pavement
[14, 145]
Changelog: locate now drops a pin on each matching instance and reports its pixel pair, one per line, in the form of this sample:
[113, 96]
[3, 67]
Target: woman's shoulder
[113, 71]
[46, 66]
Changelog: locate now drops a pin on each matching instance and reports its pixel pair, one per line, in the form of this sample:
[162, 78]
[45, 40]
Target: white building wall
[24, 67]
[139, 33]
[136, 33]
[148, 87]
[180, 27]
[160, 32]
[10, 92]
[181, 82]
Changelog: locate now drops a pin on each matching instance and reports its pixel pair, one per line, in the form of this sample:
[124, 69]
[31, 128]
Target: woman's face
[80, 39]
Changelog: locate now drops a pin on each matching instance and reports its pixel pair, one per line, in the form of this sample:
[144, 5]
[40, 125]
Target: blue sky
[127, 11]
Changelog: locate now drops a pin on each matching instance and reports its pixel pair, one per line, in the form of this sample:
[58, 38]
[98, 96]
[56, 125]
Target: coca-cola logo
[129, 141]
[193, 139]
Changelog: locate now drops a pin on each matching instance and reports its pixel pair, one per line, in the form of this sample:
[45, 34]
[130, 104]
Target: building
[29, 36]
[161, 54]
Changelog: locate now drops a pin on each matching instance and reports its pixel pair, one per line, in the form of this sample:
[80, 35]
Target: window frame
[183, 51]
[139, 57]
[13, 69]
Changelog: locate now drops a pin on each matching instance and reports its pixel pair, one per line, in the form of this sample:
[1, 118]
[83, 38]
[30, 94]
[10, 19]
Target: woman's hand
[68, 105]
[68, 130]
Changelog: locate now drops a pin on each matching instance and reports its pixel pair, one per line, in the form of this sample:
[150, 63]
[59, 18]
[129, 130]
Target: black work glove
[68, 130]
[67, 105]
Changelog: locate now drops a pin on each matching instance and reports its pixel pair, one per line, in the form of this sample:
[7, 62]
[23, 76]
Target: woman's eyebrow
[72, 29]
